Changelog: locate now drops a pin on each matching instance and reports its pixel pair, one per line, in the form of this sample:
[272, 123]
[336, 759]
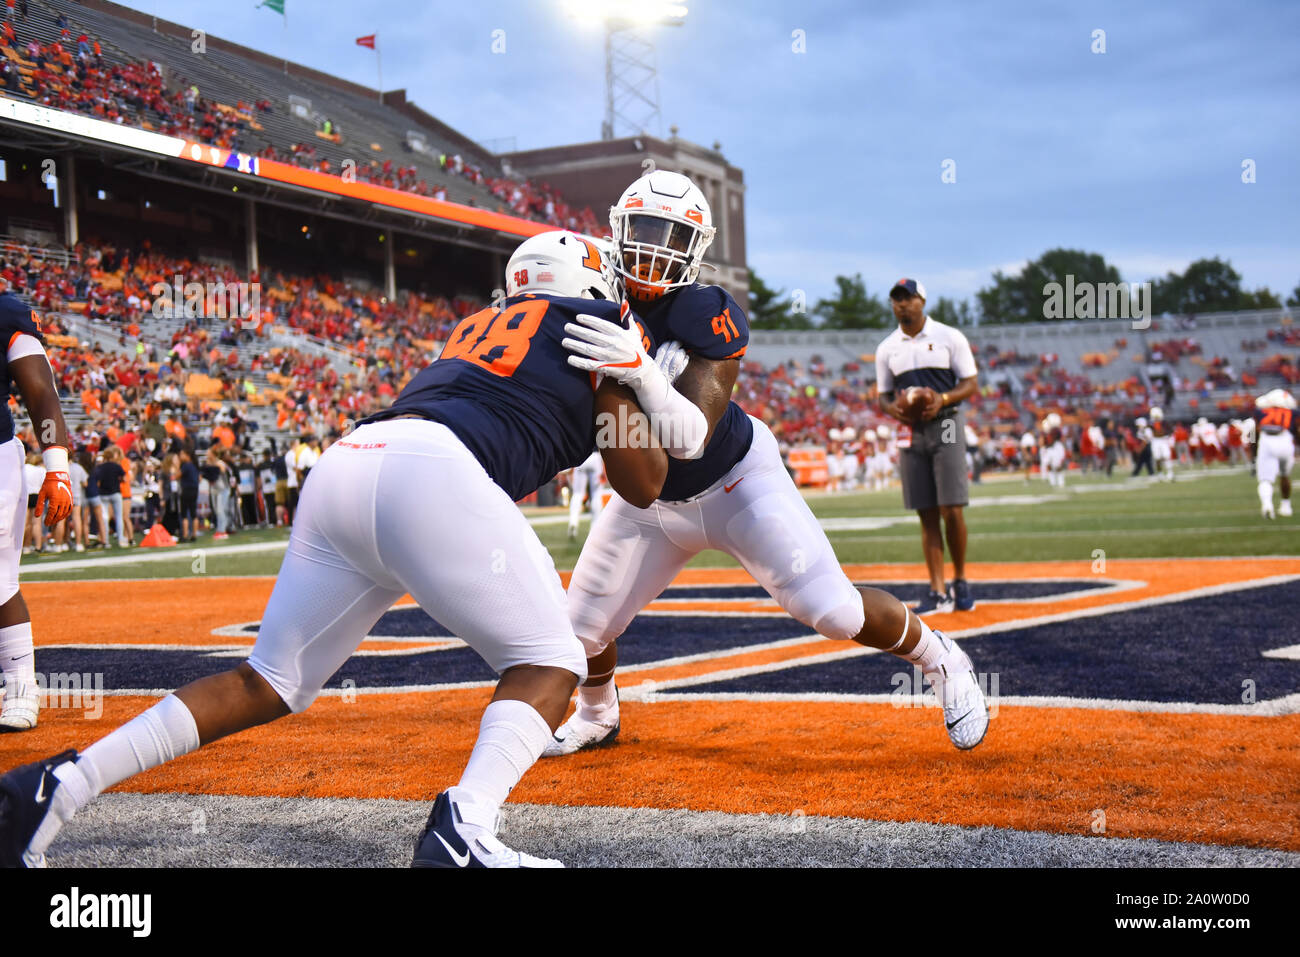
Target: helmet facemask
[657, 251]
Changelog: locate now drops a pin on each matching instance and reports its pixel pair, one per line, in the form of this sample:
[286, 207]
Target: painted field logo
[74, 909]
[1098, 300]
[208, 300]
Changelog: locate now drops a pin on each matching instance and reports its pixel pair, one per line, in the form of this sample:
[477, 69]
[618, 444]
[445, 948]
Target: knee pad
[843, 622]
[590, 620]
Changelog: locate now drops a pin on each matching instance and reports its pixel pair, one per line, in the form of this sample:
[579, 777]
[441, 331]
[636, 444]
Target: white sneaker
[22, 704]
[462, 833]
[965, 712]
[579, 734]
[1267, 511]
[80, 547]
[1284, 509]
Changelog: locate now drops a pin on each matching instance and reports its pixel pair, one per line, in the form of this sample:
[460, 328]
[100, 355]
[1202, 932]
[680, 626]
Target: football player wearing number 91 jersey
[726, 487]
[419, 498]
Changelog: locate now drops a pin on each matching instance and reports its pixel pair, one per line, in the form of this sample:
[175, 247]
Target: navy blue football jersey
[708, 323]
[1277, 421]
[16, 318]
[503, 384]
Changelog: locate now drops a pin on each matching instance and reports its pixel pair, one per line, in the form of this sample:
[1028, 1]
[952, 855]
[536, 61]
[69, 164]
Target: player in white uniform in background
[587, 479]
[1211, 448]
[1028, 443]
[24, 363]
[834, 461]
[1051, 454]
[881, 463]
[849, 464]
[1277, 427]
[727, 487]
[1162, 446]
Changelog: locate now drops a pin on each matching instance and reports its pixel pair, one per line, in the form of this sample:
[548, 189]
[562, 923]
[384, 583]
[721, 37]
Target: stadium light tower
[631, 78]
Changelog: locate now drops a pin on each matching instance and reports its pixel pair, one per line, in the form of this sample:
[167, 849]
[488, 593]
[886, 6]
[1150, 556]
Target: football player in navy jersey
[726, 488]
[419, 498]
[25, 365]
[1277, 432]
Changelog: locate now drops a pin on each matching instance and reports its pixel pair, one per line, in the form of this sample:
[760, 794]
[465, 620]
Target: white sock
[163, 733]
[928, 650]
[16, 642]
[511, 737]
[598, 702]
[1265, 496]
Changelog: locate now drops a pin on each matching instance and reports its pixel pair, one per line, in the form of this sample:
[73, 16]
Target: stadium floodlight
[640, 12]
[631, 78]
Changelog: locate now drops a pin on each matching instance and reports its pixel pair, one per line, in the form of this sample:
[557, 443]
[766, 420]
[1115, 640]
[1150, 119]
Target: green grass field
[1201, 514]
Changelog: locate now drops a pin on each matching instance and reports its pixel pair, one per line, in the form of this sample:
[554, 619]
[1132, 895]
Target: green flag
[276, 5]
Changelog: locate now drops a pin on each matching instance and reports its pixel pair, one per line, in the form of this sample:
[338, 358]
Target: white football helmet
[561, 263]
[1157, 414]
[661, 227]
[1276, 399]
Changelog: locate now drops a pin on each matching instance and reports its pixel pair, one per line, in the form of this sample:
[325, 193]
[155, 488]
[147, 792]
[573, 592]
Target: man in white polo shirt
[935, 359]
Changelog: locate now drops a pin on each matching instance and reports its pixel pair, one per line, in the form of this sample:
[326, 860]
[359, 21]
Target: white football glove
[599, 345]
[672, 358]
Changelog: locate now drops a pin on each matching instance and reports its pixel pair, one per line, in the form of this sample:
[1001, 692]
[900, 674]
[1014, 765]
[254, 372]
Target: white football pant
[13, 515]
[1276, 456]
[754, 513]
[402, 506]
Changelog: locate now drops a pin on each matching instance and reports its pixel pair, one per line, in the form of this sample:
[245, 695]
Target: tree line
[1207, 285]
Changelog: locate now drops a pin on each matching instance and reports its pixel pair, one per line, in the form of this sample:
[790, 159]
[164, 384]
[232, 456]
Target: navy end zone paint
[1198, 651]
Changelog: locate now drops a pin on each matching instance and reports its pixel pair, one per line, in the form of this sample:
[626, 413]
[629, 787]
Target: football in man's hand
[914, 400]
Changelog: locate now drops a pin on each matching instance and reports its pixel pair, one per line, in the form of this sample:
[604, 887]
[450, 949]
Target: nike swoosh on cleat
[952, 724]
[462, 860]
[40, 790]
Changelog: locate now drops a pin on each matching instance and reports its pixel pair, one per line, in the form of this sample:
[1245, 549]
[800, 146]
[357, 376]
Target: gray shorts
[933, 470]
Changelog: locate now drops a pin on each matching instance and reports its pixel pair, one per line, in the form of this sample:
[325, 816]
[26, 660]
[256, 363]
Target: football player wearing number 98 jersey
[418, 499]
[727, 487]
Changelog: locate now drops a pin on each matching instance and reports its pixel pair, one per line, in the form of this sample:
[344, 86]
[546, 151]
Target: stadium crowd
[176, 399]
[71, 73]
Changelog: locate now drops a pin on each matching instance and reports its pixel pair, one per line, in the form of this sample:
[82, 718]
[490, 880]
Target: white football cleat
[1266, 511]
[22, 704]
[965, 712]
[462, 833]
[579, 734]
[1284, 509]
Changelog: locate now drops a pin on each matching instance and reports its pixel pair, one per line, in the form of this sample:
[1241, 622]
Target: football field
[1139, 644]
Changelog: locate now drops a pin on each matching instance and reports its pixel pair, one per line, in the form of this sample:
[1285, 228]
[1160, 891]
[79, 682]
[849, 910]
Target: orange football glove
[56, 490]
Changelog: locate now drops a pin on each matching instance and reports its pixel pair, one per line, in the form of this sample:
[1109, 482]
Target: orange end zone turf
[1215, 778]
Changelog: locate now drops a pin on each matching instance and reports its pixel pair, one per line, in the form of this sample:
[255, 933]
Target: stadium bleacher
[245, 101]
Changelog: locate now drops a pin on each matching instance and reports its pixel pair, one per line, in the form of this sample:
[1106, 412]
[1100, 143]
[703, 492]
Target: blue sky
[1135, 153]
